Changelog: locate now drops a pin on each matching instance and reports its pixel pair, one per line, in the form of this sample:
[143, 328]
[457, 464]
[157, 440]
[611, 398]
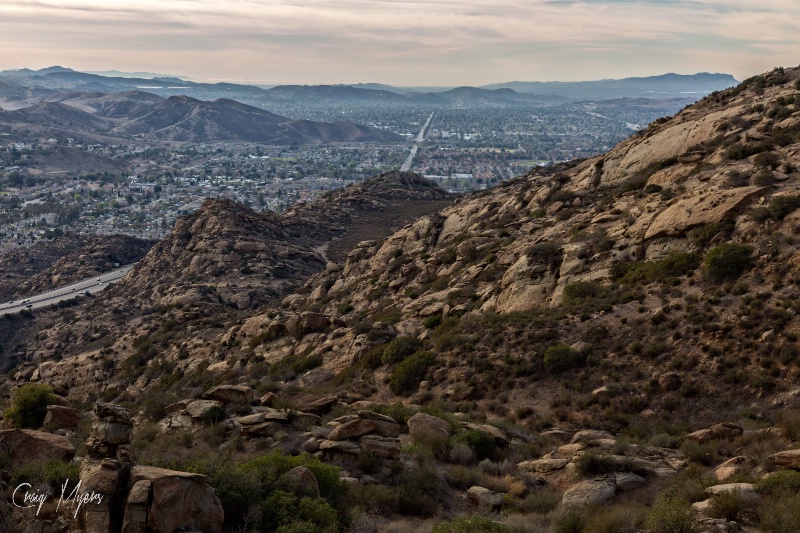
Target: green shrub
[29, 406]
[432, 322]
[671, 515]
[400, 348]
[731, 505]
[471, 524]
[672, 266]
[780, 515]
[213, 415]
[561, 357]
[481, 443]
[407, 374]
[726, 261]
[50, 472]
[581, 290]
[780, 206]
[769, 160]
[573, 521]
[258, 484]
[783, 482]
[541, 501]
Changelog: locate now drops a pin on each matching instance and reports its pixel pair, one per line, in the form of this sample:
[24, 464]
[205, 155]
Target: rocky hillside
[602, 342]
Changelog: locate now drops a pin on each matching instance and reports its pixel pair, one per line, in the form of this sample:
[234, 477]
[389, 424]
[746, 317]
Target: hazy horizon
[415, 43]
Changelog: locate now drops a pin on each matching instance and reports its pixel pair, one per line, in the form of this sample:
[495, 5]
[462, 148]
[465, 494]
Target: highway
[420, 137]
[80, 288]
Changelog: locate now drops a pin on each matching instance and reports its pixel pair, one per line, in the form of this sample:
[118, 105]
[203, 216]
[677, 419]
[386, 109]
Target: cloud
[403, 42]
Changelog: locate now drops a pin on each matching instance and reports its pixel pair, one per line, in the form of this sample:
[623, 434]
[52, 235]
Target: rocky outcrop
[139, 499]
[24, 446]
[726, 430]
[60, 417]
[179, 501]
[788, 459]
[423, 426]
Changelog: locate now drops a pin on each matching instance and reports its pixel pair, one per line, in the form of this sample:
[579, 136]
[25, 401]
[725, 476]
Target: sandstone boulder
[589, 435]
[59, 417]
[23, 446]
[352, 429]
[340, 446]
[422, 426]
[230, 394]
[179, 501]
[201, 408]
[725, 430]
[485, 498]
[543, 466]
[301, 480]
[731, 467]
[744, 489]
[589, 492]
[386, 447]
[788, 459]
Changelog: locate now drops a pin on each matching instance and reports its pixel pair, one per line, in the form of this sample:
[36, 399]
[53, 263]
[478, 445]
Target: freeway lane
[420, 138]
[90, 285]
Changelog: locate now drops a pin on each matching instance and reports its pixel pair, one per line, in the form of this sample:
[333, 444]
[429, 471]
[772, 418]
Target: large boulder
[111, 433]
[23, 446]
[485, 498]
[179, 501]
[59, 417]
[422, 426]
[226, 394]
[589, 492]
[385, 447]
[788, 459]
[543, 466]
[301, 480]
[352, 429]
[385, 426]
[201, 408]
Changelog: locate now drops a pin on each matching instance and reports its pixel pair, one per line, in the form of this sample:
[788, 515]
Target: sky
[402, 42]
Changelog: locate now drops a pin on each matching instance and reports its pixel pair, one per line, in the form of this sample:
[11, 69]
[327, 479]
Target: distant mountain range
[512, 93]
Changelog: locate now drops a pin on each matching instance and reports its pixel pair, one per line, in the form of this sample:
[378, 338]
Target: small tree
[29, 406]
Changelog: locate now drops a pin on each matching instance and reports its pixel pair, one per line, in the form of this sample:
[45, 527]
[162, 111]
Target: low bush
[29, 405]
[779, 483]
[561, 357]
[407, 374]
[727, 261]
[400, 348]
[671, 515]
[672, 266]
[50, 472]
[481, 443]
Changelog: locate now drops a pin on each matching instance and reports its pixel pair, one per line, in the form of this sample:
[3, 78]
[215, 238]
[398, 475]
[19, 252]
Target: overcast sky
[402, 42]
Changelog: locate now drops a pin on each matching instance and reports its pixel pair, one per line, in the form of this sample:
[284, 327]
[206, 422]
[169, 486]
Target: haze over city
[430, 42]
